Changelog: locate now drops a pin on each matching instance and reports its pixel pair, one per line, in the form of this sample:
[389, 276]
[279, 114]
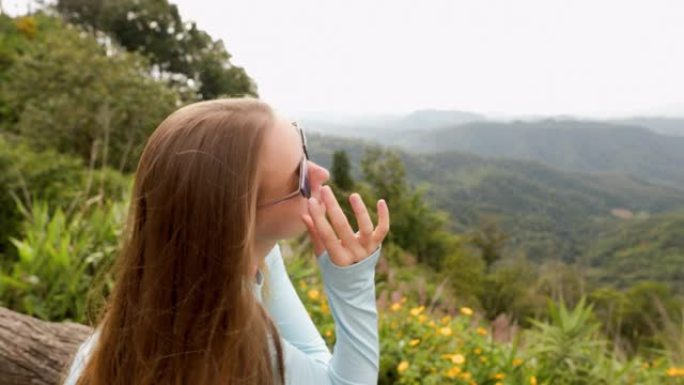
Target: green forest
[495, 271]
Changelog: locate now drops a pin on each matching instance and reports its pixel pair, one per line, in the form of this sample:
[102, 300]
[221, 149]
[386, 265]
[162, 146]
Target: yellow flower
[517, 362]
[414, 342]
[483, 359]
[417, 310]
[533, 380]
[465, 376]
[431, 323]
[482, 331]
[499, 383]
[27, 26]
[314, 294]
[395, 307]
[446, 319]
[453, 372]
[477, 351]
[403, 365]
[445, 331]
[302, 284]
[328, 333]
[675, 372]
[499, 376]
[325, 309]
[422, 318]
[466, 311]
[454, 358]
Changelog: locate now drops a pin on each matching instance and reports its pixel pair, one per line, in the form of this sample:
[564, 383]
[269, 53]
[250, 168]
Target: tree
[341, 171]
[489, 239]
[188, 56]
[416, 226]
[70, 93]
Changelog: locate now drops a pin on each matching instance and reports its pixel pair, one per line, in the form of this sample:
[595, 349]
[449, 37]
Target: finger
[324, 230]
[383, 222]
[313, 235]
[363, 219]
[340, 223]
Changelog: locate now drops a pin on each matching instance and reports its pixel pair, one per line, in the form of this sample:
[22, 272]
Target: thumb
[313, 235]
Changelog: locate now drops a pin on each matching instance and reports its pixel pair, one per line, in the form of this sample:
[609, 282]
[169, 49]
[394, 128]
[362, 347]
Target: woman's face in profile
[279, 176]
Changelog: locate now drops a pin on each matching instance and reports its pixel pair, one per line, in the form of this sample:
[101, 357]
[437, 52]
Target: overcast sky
[590, 58]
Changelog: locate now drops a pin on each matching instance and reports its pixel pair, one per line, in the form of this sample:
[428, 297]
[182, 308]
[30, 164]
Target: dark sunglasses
[304, 185]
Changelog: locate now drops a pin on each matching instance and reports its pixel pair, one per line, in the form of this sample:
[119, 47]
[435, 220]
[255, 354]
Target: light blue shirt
[308, 361]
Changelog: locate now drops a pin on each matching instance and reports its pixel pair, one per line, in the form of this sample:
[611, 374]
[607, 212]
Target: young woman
[217, 185]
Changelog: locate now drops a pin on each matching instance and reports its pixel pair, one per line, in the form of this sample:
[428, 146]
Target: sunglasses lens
[304, 186]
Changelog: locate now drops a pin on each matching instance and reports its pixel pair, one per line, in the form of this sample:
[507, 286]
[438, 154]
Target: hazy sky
[592, 58]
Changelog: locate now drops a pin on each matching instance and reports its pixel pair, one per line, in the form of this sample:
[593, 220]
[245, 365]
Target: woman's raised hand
[344, 246]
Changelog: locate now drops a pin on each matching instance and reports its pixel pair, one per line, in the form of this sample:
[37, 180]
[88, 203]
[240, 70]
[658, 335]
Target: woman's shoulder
[81, 357]
[274, 256]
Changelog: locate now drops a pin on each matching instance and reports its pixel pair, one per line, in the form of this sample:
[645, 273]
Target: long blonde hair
[182, 310]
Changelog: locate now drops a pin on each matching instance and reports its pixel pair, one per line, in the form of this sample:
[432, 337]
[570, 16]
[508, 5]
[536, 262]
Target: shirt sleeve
[80, 358]
[351, 295]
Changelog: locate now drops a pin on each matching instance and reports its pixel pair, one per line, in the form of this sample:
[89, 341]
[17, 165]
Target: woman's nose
[319, 174]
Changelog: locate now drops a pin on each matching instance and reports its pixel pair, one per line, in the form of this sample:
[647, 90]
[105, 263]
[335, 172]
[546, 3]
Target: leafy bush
[60, 258]
[58, 180]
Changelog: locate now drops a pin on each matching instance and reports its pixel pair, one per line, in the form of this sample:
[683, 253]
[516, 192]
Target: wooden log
[37, 352]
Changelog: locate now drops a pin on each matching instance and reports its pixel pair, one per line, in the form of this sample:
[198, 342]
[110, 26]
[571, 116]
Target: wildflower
[517, 362]
[466, 311]
[27, 26]
[422, 318]
[403, 365]
[499, 376]
[325, 309]
[417, 310]
[445, 331]
[302, 284]
[533, 380]
[414, 342]
[477, 351]
[675, 372]
[453, 372]
[395, 307]
[328, 333]
[457, 359]
[481, 331]
[483, 359]
[431, 323]
[446, 319]
[314, 294]
[466, 376]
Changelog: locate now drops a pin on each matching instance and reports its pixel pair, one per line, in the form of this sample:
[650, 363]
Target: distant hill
[650, 248]
[380, 128]
[666, 126]
[549, 213]
[583, 146]
[431, 119]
